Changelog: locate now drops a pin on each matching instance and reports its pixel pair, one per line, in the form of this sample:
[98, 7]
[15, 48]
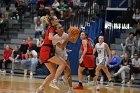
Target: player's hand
[81, 60]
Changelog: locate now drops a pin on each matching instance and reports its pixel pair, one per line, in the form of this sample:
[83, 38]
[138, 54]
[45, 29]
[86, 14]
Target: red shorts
[44, 54]
[88, 61]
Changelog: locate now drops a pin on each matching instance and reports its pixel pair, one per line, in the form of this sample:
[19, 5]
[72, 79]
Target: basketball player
[49, 59]
[60, 50]
[102, 59]
[86, 59]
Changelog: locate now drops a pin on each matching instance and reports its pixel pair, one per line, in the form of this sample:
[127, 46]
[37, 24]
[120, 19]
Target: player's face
[82, 35]
[101, 39]
[59, 29]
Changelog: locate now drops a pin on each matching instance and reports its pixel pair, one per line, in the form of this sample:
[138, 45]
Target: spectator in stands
[31, 60]
[136, 15]
[36, 18]
[55, 4]
[130, 44]
[2, 23]
[68, 16]
[41, 10]
[39, 28]
[114, 64]
[8, 13]
[29, 41]
[135, 68]
[76, 3]
[62, 6]
[14, 11]
[23, 48]
[52, 13]
[61, 17]
[125, 67]
[39, 43]
[15, 57]
[44, 21]
[6, 54]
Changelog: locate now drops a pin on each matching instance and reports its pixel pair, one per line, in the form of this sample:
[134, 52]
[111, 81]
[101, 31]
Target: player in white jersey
[103, 58]
[60, 50]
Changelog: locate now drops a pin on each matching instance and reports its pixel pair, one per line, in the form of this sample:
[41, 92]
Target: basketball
[75, 32]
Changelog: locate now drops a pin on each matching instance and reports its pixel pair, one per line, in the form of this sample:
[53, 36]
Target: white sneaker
[39, 90]
[12, 72]
[102, 79]
[123, 82]
[132, 78]
[70, 91]
[128, 83]
[25, 72]
[110, 83]
[31, 73]
[53, 84]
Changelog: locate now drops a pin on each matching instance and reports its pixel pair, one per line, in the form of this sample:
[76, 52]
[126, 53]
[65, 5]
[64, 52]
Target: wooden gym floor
[20, 84]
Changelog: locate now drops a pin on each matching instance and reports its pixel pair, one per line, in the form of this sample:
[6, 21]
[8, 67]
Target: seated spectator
[14, 11]
[125, 67]
[2, 23]
[55, 4]
[136, 15]
[62, 6]
[6, 54]
[68, 13]
[31, 60]
[130, 44]
[29, 41]
[135, 68]
[36, 18]
[61, 17]
[52, 13]
[15, 57]
[114, 64]
[41, 10]
[23, 48]
[44, 21]
[39, 43]
[76, 3]
[39, 28]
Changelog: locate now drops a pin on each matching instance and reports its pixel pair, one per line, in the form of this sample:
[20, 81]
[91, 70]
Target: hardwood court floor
[19, 84]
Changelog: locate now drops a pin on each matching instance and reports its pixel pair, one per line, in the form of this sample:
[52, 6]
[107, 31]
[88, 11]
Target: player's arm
[63, 45]
[108, 52]
[94, 50]
[84, 43]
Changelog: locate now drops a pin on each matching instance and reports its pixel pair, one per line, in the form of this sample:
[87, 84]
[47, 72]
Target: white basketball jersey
[101, 50]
